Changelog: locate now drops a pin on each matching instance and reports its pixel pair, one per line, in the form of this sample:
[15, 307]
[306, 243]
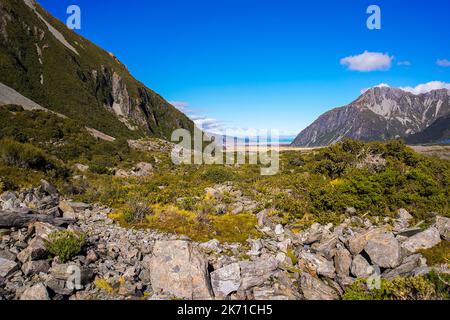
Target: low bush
[65, 244]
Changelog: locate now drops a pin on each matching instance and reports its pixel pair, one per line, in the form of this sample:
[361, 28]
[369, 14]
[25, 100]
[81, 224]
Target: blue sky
[272, 64]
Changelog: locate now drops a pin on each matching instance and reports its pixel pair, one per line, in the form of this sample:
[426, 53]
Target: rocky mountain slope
[381, 113]
[44, 63]
[438, 132]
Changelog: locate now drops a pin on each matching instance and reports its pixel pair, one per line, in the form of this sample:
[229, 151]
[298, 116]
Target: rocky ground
[121, 263]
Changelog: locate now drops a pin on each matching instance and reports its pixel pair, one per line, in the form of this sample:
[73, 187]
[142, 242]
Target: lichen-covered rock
[314, 289]
[357, 243]
[226, 280]
[320, 264]
[36, 250]
[443, 226]
[384, 250]
[36, 292]
[342, 262]
[177, 268]
[409, 264]
[35, 267]
[423, 240]
[7, 267]
[361, 268]
[255, 273]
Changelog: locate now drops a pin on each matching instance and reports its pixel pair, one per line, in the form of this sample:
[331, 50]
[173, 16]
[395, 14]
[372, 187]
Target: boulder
[314, 289]
[43, 230]
[402, 214]
[79, 206]
[142, 169]
[409, 264]
[402, 220]
[8, 255]
[255, 273]
[357, 243]
[211, 246]
[279, 230]
[443, 226]
[384, 250]
[327, 245]
[36, 292]
[319, 263]
[423, 240]
[226, 280]
[35, 267]
[7, 267]
[342, 262]
[361, 268]
[311, 235]
[36, 250]
[179, 269]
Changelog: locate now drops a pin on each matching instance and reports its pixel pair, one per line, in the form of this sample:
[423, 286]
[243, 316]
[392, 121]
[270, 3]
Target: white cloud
[404, 63]
[381, 85]
[368, 61]
[180, 105]
[209, 125]
[443, 63]
[427, 87]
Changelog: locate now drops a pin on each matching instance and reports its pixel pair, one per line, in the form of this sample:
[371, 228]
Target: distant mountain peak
[380, 113]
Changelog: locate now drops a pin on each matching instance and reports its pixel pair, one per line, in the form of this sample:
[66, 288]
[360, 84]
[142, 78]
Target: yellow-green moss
[439, 254]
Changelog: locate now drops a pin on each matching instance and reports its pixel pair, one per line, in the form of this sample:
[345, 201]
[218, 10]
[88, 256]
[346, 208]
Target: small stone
[91, 257]
[36, 292]
[279, 230]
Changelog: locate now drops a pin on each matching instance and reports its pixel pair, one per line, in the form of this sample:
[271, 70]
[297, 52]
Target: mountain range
[45, 65]
[383, 113]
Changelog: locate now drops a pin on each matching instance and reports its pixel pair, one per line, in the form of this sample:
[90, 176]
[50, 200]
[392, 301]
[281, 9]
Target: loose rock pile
[119, 263]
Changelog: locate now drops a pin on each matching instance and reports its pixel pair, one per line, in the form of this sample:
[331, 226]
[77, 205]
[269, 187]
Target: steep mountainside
[381, 113]
[438, 132]
[44, 61]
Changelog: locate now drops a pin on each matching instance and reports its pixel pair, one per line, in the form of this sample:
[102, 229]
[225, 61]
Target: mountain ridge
[380, 113]
[60, 70]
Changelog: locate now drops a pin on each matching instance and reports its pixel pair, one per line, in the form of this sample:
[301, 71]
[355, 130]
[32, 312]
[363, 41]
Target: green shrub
[24, 155]
[137, 211]
[65, 244]
[409, 288]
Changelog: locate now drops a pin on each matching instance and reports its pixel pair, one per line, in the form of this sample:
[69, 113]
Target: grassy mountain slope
[92, 87]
